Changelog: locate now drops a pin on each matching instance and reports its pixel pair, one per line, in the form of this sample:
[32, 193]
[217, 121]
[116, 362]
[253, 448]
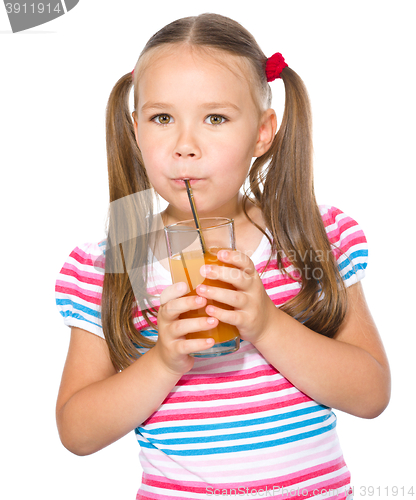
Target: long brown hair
[280, 184]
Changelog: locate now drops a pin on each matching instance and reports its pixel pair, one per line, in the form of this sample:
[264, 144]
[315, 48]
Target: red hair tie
[274, 66]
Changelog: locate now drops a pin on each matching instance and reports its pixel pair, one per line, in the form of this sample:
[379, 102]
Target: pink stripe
[92, 298]
[84, 277]
[313, 491]
[328, 218]
[156, 290]
[142, 325]
[226, 411]
[352, 239]
[282, 481]
[262, 371]
[292, 287]
[346, 223]
[82, 257]
[73, 289]
[335, 237]
[280, 298]
[341, 482]
[341, 226]
[344, 486]
[228, 392]
[278, 280]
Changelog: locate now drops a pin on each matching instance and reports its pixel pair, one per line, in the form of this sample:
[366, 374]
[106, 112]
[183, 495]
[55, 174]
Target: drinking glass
[186, 256]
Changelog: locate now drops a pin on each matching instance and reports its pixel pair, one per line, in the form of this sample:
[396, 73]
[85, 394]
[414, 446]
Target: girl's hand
[172, 346]
[253, 311]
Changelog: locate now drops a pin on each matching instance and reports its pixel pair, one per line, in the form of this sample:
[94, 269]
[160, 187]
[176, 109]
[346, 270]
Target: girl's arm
[97, 405]
[349, 372]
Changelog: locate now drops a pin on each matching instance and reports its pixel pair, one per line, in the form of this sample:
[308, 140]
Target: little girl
[258, 421]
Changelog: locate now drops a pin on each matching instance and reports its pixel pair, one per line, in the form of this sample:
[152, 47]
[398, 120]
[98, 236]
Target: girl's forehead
[169, 54]
[173, 62]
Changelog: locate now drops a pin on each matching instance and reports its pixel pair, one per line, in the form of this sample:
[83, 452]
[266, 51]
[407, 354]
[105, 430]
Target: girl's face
[196, 119]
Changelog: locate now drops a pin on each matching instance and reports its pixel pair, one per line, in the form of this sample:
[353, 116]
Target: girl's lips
[181, 182]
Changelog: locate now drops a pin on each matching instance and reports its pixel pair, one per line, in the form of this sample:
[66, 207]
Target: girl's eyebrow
[207, 105]
[220, 105]
[155, 105]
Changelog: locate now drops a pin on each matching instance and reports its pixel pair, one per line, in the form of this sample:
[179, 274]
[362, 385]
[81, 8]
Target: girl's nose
[187, 146]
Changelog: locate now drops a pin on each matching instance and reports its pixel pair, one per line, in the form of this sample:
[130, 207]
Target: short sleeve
[78, 288]
[348, 242]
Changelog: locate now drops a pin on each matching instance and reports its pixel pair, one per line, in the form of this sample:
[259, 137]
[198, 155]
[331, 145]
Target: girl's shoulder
[339, 225]
[78, 287]
[89, 254]
[348, 243]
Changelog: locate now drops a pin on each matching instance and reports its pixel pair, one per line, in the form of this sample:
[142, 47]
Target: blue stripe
[242, 447]
[79, 307]
[354, 271]
[230, 425]
[354, 255]
[242, 435]
[65, 314]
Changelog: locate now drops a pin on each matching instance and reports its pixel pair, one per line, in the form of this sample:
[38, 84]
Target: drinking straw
[195, 214]
[185, 268]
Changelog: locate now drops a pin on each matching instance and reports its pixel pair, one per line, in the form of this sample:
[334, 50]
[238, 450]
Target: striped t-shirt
[232, 427]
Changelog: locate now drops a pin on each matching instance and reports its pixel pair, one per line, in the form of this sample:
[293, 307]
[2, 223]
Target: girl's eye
[215, 119]
[162, 119]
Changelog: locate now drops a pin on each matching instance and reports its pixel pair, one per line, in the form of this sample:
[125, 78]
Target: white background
[357, 61]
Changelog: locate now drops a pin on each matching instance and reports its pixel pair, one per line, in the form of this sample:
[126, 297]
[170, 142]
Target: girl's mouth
[181, 182]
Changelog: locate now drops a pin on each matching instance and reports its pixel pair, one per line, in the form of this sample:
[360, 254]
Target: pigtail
[284, 190]
[125, 173]
[126, 254]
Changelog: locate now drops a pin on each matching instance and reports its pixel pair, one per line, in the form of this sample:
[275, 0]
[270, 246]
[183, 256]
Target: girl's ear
[267, 131]
[135, 127]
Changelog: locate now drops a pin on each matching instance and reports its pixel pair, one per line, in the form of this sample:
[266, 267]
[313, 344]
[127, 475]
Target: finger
[237, 259]
[173, 292]
[182, 327]
[173, 308]
[194, 345]
[232, 317]
[230, 297]
[236, 277]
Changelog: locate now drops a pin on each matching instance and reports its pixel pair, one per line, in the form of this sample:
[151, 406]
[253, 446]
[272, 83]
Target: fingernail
[211, 321]
[224, 255]
[180, 287]
[199, 300]
[206, 269]
[202, 288]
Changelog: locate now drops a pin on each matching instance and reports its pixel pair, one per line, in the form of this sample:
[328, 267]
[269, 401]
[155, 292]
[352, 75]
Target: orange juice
[223, 332]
